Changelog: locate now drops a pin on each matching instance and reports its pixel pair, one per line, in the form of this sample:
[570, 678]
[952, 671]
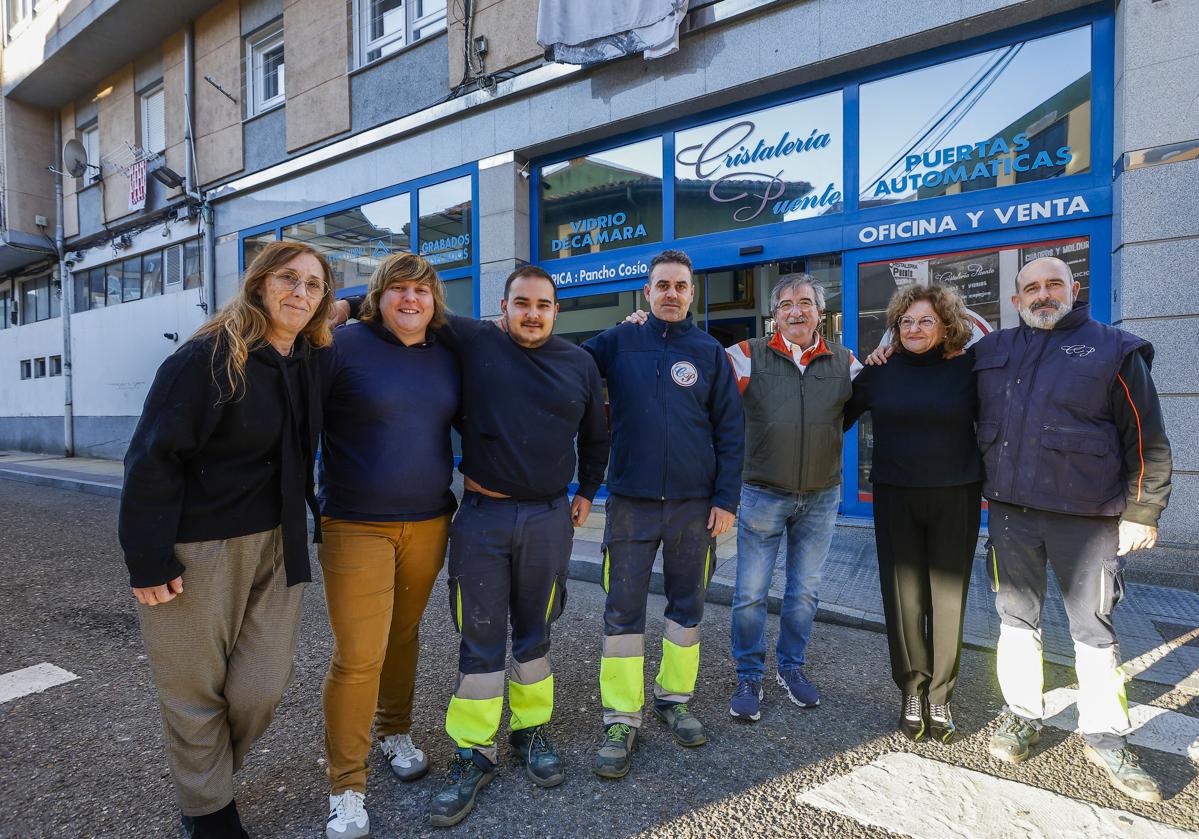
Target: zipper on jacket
[663, 395]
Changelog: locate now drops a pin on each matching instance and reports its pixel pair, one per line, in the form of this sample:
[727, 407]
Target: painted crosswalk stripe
[942, 801]
[1153, 728]
[33, 679]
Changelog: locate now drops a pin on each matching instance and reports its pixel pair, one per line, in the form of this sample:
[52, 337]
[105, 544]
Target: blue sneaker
[802, 692]
[746, 703]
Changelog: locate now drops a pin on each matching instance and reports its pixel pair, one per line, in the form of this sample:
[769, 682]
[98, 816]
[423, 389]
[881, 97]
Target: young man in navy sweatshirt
[526, 397]
[674, 479]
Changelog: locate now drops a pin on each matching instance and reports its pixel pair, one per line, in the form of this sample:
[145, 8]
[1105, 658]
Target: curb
[75, 484]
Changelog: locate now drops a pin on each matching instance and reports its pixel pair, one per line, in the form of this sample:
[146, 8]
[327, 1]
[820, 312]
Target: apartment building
[871, 144]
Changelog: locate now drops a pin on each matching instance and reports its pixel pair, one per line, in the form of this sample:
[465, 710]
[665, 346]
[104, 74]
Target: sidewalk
[1157, 624]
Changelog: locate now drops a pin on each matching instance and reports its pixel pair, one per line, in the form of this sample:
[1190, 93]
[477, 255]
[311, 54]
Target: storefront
[957, 166]
[433, 216]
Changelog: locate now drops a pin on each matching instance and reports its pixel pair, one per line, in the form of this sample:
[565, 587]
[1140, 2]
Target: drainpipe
[189, 95]
[66, 289]
[191, 179]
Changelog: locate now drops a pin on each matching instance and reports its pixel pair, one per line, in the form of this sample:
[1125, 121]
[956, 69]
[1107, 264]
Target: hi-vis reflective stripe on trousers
[507, 565]
[622, 672]
[1102, 702]
[473, 717]
[633, 531]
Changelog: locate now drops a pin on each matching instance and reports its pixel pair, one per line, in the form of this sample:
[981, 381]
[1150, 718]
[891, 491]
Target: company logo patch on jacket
[684, 373]
[1080, 350]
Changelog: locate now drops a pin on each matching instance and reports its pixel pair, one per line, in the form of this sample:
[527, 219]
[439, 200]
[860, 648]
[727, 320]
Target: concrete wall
[219, 150]
[1156, 230]
[30, 397]
[510, 27]
[317, 88]
[408, 81]
[28, 148]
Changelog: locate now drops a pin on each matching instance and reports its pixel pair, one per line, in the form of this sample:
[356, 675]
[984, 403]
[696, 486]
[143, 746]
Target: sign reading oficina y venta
[967, 221]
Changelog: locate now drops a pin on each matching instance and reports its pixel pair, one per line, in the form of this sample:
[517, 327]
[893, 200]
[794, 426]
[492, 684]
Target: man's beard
[1044, 320]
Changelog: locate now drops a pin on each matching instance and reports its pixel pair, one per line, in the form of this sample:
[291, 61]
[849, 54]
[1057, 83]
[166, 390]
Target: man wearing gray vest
[794, 386]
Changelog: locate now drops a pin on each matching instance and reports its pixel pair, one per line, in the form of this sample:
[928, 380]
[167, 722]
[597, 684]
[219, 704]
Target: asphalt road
[85, 759]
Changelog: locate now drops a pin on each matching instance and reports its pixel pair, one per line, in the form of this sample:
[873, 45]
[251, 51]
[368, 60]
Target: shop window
[780, 164]
[460, 296]
[131, 279]
[7, 308]
[112, 284]
[264, 70]
[152, 274]
[444, 227]
[97, 288]
[986, 280]
[356, 240]
[153, 118]
[192, 272]
[385, 26]
[35, 300]
[1018, 113]
[55, 362]
[602, 201]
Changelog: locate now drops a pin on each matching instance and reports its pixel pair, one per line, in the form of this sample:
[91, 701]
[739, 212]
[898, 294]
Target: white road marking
[927, 799]
[1152, 728]
[33, 679]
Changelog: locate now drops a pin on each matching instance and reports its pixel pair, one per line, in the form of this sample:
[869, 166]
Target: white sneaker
[347, 816]
[407, 761]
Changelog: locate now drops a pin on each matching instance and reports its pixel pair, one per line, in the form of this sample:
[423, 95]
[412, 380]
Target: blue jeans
[765, 515]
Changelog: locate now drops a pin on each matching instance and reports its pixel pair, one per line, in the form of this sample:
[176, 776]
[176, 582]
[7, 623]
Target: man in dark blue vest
[1077, 475]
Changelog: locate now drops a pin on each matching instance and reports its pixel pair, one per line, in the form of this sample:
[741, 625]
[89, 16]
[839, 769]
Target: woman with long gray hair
[213, 522]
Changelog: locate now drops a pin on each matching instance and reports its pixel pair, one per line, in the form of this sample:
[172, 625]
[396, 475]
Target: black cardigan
[198, 469]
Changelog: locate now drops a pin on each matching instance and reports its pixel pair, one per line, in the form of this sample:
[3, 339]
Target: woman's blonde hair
[946, 302]
[405, 268]
[243, 325]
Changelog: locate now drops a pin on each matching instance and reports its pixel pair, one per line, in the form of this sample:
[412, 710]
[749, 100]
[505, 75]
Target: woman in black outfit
[213, 522]
[927, 475]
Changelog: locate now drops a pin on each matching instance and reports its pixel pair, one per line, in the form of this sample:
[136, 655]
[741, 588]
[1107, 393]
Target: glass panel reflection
[445, 224]
[602, 201]
[779, 164]
[356, 240]
[1015, 114]
[986, 280]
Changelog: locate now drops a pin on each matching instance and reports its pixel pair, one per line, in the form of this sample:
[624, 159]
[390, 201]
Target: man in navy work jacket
[1077, 475]
[674, 479]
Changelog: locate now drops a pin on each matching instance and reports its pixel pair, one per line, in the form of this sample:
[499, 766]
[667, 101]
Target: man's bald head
[1045, 292]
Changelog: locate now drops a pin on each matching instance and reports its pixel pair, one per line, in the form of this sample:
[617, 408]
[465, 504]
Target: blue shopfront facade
[956, 166]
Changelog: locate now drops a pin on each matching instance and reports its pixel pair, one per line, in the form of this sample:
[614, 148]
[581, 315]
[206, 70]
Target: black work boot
[537, 753]
[615, 755]
[463, 780]
[682, 723]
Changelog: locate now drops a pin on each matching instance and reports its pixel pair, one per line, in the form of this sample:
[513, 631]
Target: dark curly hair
[946, 302]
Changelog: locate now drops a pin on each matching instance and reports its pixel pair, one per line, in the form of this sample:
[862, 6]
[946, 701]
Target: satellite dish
[74, 158]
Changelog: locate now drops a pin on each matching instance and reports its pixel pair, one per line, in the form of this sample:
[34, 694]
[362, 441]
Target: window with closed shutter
[154, 134]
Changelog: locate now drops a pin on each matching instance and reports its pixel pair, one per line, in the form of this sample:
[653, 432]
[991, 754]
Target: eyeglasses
[787, 305]
[292, 281]
[925, 323]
